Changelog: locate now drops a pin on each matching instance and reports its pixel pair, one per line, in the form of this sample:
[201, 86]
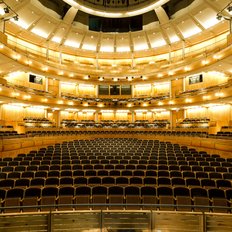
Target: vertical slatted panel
[77, 221]
[177, 222]
[136, 222]
[24, 223]
[222, 223]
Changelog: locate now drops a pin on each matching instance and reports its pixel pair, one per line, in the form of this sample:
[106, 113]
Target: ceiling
[62, 25]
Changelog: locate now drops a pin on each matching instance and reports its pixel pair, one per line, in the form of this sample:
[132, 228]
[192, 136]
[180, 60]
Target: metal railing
[116, 221]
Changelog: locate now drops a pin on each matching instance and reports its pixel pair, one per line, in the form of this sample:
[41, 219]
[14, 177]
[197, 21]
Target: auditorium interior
[116, 115]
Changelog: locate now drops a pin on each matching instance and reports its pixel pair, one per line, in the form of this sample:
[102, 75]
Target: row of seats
[116, 197]
[68, 178]
[118, 132]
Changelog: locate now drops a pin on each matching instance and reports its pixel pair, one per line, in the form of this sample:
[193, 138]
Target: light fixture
[219, 17]
[101, 78]
[16, 18]
[6, 10]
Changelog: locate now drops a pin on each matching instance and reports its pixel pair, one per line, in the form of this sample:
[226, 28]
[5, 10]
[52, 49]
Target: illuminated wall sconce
[115, 79]
[87, 77]
[204, 62]
[188, 100]
[101, 78]
[60, 102]
[27, 97]
[219, 94]
[129, 78]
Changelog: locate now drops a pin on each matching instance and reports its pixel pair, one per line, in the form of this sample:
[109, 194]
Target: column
[96, 117]
[133, 116]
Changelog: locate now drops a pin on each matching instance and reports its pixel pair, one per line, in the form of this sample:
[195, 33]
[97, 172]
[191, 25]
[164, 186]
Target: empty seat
[149, 197]
[48, 198]
[82, 198]
[116, 197]
[99, 196]
[65, 200]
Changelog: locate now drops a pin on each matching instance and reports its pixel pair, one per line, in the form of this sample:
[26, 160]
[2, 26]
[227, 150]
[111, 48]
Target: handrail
[117, 204]
[203, 52]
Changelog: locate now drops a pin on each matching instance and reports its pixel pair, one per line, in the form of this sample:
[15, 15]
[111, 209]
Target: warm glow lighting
[122, 111]
[71, 75]
[188, 100]
[160, 103]
[106, 14]
[45, 69]
[56, 39]
[44, 100]
[100, 105]
[140, 47]
[158, 110]
[1, 46]
[88, 111]
[18, 104]
[192, 31]
[107, 111]
[204, 62]
[107, 49]
[160, 75]
[70, 103]
[217, 57]
[86, 77]
[60, 102]
[16, 57]
[28, 62]
[219, 94]
[27, 97]
[39, 32]
[89, 47]
[61, 73]
[187, 69]
[71, 109]
[86, 104]
[170, 73]
[55, 108]
[129, 105]
[20, 23]
[15, 94]
[70, 43]
[123, 49]
[206, 97]
[171, 102]
[140, 111]
[144, 104]
[39, 107]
